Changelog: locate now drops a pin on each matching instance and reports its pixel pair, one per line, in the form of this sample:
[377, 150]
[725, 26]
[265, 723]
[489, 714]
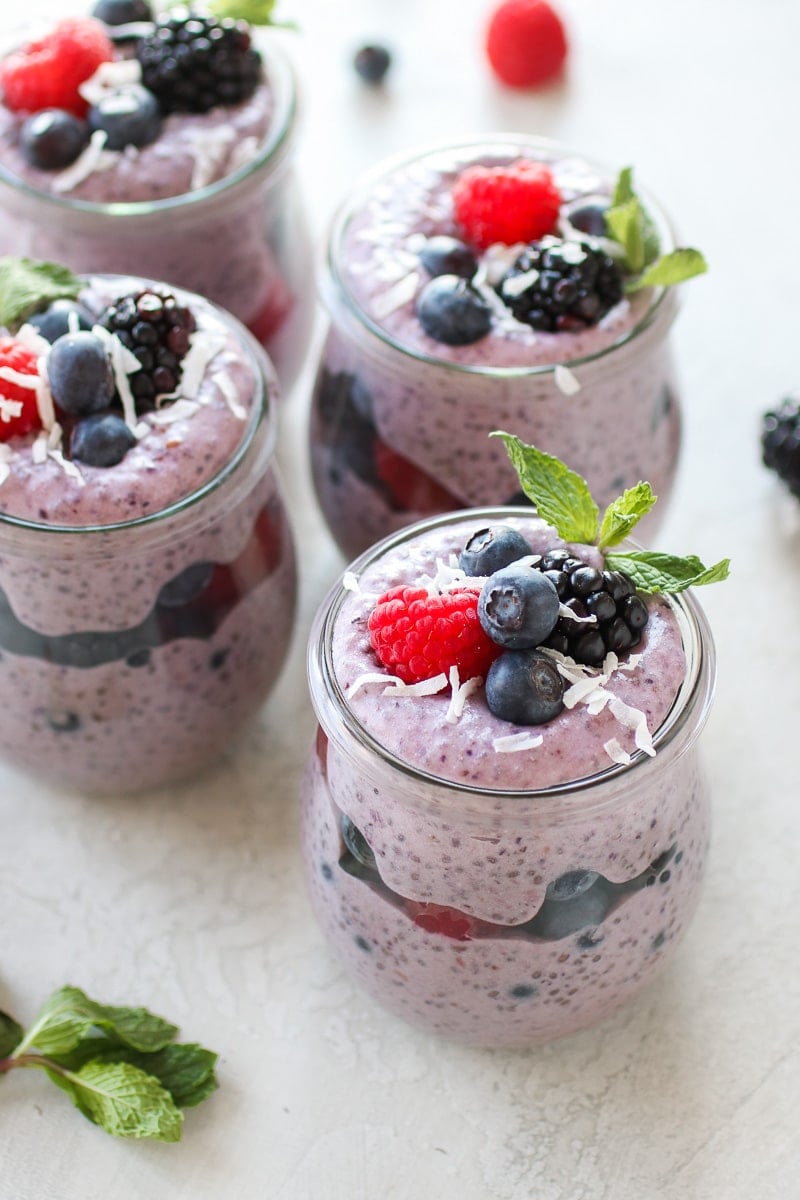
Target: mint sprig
[27, 286]
[254, 12]
[121, 1067]
[629, 223]
[563, 499]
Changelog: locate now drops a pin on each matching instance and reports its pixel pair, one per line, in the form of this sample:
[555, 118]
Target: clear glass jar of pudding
[400, 421]
[492, 892]
[145, 612]
[241, 240]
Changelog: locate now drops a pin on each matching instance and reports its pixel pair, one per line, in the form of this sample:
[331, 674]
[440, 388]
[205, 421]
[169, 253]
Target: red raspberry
[417, 636]
[526, 43]
[19, 358]
[512, 204]
[412, 489]
[437, 918]
[47, 73]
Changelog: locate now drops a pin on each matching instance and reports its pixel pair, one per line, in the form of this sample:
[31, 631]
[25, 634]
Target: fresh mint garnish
[27, 286]
[629, 223]
[254, 12]
[562, 498]
[121, 1067]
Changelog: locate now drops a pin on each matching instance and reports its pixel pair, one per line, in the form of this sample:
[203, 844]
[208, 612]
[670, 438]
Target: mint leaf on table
[673, 268]
[10, 1035]
[561, 496]
[624, 513]
[27, 286]
[652, 571]
[123, 1099]
[120, 1066]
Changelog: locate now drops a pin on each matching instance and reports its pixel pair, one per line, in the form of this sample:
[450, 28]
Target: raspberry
[518, 203]
[47, 73]
[417, 636]
[438, 918]
[18, 358]
[412, 490]
[525, 43]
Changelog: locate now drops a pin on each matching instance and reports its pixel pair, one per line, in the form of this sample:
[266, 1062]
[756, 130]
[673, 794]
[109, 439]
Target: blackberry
[193, 63]
[559, 286]
[610, 596]
[780, 442]
[157, 330]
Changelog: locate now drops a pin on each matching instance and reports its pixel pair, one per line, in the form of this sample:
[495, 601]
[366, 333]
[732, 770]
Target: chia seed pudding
[491, 883]
[400, 418]
[210, 205]
[145, 606]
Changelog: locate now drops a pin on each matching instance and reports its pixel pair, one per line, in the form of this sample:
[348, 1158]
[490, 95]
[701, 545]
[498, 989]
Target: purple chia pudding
[499, 884]
[146, 606]
[400, 418]
[211, 205]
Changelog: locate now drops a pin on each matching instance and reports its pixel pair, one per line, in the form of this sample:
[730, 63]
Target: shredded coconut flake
[635, 719]
[39, 449]
[5, 458]
[580, 691]
[460, 694]
[44, 397]
[32, 340]
[68, 468]
[395, 297]
[94, 158]
[123, 364]
[203, 348]
[395, 686]
[569, 615]
[243, 153]
[209, 149]
[350, 582]
[19, 378]
[228, 388]
[110, 76]
[566, 381]
[616, 753]
[9, 409]
[181, 410]
[518, 284]
[513, 742]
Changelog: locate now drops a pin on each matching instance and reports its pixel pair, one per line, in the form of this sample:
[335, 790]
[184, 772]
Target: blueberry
[571, 902]
[356, 843]
[80, 374]
[524, 687]
[53, 138]
[451, 311]
[490, 549]
[101, 440]
[518, 605]
[129, 116]
[59, 318]
[588, 215]
[122, 12]
[443, 255]
[183, 588]
[372, 63]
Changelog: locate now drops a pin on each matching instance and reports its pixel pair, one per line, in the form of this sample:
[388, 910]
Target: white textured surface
[193, 903]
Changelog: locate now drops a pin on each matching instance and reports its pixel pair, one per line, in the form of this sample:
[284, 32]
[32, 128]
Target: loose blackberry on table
[780, 442]
[157, 330]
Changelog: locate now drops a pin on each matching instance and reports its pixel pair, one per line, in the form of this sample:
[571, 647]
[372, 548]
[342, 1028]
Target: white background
[192, 902]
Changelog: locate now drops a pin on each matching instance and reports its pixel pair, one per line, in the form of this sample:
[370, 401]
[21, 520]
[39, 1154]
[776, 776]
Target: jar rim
[279, 72]
[691, 703]
[261, 415]
[498, 144]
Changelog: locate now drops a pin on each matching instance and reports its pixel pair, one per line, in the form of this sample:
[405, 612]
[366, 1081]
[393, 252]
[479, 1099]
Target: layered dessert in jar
[160, 144]
[502, 282]
[505, 820]
[147, 569]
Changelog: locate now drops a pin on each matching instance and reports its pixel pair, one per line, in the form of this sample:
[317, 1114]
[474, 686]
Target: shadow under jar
[241, 240]
[132, 651]
[492, 897]
[400, 421]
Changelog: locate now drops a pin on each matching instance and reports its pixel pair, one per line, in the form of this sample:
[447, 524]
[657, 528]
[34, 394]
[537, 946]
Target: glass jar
[242, 241]
[132, 653]
[492, 916]
[400, 424]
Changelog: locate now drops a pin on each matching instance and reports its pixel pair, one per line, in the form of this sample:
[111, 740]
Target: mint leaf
[652, 571]
[561, 496]
[27, 286]
[624, 513]
[255, 12]
[64, 1019]
[11, 1034]
[673, 268]
[625, 224]
[136, 1027]
[122, 1099]
[185, 1070]
[623, 188]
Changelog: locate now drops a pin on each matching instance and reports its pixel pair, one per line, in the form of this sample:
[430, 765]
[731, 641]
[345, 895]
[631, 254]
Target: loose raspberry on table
[518, 203]
[525, 43]
[416, 635]
[16, 420]
[48, 72]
